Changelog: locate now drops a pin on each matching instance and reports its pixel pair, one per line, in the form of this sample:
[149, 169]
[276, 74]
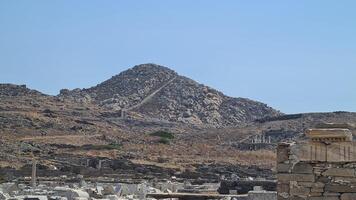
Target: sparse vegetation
[163, 134]
[112, 146]
[164, 141]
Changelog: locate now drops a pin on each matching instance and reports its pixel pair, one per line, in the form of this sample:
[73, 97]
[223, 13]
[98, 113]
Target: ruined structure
[321, 168]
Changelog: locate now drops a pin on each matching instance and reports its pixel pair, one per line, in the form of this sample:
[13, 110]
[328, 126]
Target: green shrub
[163, 134]
[164, 141]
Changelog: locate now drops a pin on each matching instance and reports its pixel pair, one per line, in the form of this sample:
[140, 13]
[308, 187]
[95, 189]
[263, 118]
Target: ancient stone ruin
[323, 168]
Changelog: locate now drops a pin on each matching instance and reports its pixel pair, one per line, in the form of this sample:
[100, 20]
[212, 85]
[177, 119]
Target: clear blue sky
[296, 56]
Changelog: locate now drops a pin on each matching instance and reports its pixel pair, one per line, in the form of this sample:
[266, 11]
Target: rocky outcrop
[159, 92]
[16, 90]
[125, 89]
[190, 102]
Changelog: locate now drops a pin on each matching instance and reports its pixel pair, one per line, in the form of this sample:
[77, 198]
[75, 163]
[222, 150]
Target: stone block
[283, 188]
[302, 168]
[315, 194]
[305, 184]
[282, 152]
[329, 134]
[340, 188]
[319, 185]
[296, 198]
[295, 177]
[262, 195]
[284, 168]
[323, 198]
[341, 152]
[324, 179]
[331, 194]
[280, 197]
[348, 196]
[350, 165]
[311, 184]
[321, 152]
[299, 191]
[344, 179]
[312, 152]
[316, 189]
[340, 172]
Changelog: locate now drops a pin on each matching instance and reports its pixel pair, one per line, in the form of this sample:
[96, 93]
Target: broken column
[99, 164]
[33, 176]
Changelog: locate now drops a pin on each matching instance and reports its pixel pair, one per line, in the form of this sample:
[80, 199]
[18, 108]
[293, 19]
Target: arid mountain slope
[157, 92]
[72, 129]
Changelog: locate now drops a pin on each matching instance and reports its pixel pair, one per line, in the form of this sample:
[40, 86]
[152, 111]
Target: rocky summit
[157, 92]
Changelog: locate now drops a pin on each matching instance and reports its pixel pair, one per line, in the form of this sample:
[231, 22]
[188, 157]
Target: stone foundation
[316, 171]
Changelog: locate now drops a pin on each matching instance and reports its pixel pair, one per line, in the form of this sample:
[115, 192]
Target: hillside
[172, 126]
[158, 92]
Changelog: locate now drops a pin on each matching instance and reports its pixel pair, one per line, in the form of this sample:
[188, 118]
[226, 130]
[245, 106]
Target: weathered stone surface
[332, 194]
[283, 188]
[329, 134]
[262, 195]
[296, 198]
[312, 152]
[324, 179]
[323, 198]
[341, 172]
[282, 152]
[305, 184]
[317, 189]
[344, 179]
[299, 191]
[281, 197]
[295, 177]
[318, 185]
[311, 184]
[348, 196]
[315, 194]
[302, 168]
[340, 188]
[315, 177]
[334, 152]
[284, 168]
[341, 152]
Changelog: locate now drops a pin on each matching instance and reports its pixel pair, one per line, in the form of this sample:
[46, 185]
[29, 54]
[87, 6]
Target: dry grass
[76, 140]
[183, 156]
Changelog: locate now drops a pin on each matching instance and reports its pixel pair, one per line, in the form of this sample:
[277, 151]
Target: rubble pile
[82, 190]
[75, 191]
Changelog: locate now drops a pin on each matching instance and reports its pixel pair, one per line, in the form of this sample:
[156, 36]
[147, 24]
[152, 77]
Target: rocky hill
[158, 92]
[172, 123]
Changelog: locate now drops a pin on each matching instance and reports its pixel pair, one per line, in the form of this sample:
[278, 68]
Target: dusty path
[69, 137]
[150, 96]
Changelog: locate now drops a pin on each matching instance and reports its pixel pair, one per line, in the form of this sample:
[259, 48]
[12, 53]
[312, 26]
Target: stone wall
[316, 171]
